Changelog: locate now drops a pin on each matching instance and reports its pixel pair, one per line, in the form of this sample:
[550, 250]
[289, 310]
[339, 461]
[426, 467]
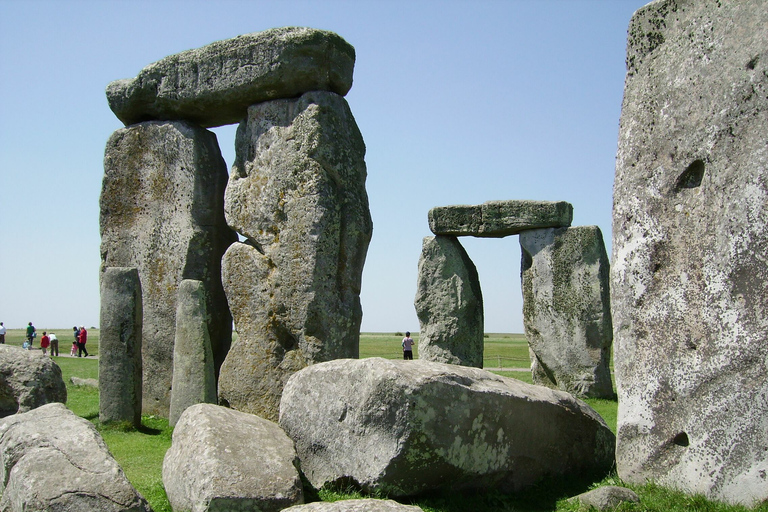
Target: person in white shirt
[2, 333]
[408, 346]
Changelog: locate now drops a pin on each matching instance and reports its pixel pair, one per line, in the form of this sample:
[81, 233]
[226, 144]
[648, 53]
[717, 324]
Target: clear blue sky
[459, 102]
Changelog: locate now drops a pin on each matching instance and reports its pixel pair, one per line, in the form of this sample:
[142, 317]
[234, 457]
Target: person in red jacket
[45, 341]
[81, 339]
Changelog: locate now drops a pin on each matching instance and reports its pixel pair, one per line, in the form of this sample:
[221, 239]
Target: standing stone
[162, 212]
[215, 84]
[567, 309]
[194, 378]
[297, 193]
[449, 304]
[689, 272]
[120, 346]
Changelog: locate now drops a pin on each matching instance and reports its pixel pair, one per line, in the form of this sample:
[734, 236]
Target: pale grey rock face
[407, 427]
[358, 505]
[297, 193]
[120, 322]
[606, 498]
[689, 274]
[54, 460]
[567, 309]
[215, 84]
[222, 459]
[162, 212]
[28, 379]
[449, 304]
[194, 376]
[497, 219]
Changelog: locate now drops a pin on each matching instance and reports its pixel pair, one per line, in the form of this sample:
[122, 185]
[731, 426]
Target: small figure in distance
[81, 339]
[2, 333]
[45, 342]
[54, 345]
[76, 332]
[408, 346]
[73, 351]
[31, 333]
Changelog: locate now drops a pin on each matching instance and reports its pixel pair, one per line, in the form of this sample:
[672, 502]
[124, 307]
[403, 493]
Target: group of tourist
[50, 341]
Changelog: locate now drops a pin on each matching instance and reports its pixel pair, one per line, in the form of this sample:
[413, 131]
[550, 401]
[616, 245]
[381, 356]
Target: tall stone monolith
[449, 304]
[162, 212]
[194, 376]
[297, 194]
[120, 322]
[567, 309]
[690, 237]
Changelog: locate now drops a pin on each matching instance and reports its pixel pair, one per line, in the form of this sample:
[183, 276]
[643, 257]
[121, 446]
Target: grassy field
[140, 452]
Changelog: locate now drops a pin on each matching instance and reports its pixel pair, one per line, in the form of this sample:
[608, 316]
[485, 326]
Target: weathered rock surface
[449, 304]
[497, 219]
[215, 84]
[120, 346]
[194, 377]
[297, 192]
[606, 498]
[567, 309]
[223, 459]
[54, 460]
[406, 427]
[28, 379]
[162, 212]
[358, 505]
[689, 273]
[91, 383]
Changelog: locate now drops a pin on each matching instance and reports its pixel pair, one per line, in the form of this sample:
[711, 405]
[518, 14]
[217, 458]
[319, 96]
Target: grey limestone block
[690, 235]
[194, 376]
[497, 219]
[297, 194]
[449, 304]
[215, 84]
[567, 309]
[162, 212]
[120, 369]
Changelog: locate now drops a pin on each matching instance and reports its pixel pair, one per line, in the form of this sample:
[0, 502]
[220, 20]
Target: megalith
[690, 237]
[567, 309]
[162, 212]
[194, 377]
[296, 193]
[449, 304]
[215, 84]
[120, 320]
[408, 427]
[28, 379]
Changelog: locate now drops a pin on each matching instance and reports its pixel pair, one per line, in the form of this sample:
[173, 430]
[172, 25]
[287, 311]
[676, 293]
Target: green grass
[140, 452]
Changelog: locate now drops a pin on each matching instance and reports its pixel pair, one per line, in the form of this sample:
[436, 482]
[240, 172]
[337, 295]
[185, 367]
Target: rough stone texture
[53, 460]
[28, 379]
[215, 84]
[297, 192]
[606, 498]
[407, 427]
[449, 304]
[91, 383]
[120, 346]
[567, 309]
[358, 505]
[194, 378]
[497, 219]
[162, 212]
[223, 459]
[689, 273]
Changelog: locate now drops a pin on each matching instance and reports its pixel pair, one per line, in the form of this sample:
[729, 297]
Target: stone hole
[691, 177]
[681, 439]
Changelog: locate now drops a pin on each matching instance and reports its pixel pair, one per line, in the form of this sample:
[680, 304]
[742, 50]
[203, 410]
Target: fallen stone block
[28, 379]
[358, 505]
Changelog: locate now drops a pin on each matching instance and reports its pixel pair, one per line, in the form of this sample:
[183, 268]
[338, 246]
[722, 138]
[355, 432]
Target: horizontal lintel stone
[497, 219]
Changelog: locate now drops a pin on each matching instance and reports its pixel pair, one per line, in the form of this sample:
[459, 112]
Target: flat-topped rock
[215, 84]
[497, 219]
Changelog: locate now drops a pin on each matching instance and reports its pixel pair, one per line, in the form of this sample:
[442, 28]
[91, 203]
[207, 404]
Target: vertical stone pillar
[690, 236]
[162, 212]
[567, 309]
[449, 304]
[120, 340]
[297, 194]
[194, 378]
